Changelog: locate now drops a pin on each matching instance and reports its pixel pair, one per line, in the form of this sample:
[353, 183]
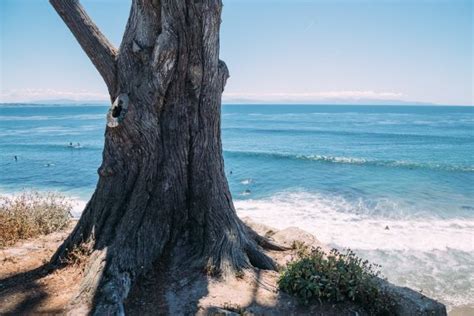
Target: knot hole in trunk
[118, 110]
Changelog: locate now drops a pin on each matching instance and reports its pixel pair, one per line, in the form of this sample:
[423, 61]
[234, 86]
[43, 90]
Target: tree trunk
[162, 187]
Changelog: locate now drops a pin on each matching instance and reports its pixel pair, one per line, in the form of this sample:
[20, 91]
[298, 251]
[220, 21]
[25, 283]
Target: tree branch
[100, 51]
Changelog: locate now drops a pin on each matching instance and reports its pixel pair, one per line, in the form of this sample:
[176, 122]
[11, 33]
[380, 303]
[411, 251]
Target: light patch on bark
[164, 59]
[135, 47]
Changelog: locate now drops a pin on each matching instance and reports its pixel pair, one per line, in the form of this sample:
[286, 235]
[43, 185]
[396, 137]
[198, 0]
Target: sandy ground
[462, 311]
[28, 287]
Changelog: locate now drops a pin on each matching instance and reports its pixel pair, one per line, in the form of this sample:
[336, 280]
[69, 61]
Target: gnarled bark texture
[162, 187]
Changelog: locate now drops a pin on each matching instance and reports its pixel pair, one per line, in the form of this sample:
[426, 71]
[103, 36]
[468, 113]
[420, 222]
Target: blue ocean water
[395, 183]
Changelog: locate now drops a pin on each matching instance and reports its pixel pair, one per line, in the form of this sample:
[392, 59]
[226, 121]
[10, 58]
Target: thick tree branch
[100, 51]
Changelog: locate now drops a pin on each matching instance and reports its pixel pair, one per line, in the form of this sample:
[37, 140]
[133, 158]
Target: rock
[260, 229]
[288, 236]
[410, 302]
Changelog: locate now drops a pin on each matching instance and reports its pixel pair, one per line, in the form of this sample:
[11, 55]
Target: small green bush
[335, 277]
[30, 214]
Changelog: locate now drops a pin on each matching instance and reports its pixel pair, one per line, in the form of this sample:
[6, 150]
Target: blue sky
[276, 50]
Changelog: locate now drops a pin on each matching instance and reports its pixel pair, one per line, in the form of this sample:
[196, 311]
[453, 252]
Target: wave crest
[356, 161]
[415, 251]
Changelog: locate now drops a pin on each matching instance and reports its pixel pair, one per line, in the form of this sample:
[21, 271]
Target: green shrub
[30, 214]
[335, 277]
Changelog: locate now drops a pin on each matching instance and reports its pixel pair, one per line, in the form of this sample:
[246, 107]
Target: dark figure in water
[70, 144]
[16, 158]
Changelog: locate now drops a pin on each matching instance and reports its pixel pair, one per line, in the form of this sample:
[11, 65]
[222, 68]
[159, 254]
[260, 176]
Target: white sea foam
[246, 181]
[341, 223]
[78, 206]
[431, 254]
[358, 161]
[446, 275]
[347, 160]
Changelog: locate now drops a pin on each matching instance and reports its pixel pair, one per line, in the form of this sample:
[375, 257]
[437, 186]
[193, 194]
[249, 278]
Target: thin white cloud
[34, 95]
[314, 96]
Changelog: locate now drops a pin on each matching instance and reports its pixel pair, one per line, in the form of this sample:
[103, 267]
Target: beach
[395, 184]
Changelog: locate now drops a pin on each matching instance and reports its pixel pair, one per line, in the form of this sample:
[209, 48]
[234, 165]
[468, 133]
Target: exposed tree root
[266, 243]
[111, 272]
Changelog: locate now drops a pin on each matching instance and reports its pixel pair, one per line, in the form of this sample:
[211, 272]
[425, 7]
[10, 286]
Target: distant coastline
[247, 103]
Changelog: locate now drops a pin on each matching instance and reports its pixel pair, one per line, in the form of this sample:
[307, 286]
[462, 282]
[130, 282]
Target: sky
[278, 51]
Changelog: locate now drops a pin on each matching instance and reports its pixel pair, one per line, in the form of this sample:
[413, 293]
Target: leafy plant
[335, 277]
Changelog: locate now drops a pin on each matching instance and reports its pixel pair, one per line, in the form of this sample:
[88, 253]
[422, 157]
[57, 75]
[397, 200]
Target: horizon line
[373, 103]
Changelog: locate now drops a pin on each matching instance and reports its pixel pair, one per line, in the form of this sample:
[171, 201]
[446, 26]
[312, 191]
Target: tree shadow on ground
[184, 291]
[23, 293]
[281, 304]
[202, 295]
[166, 291]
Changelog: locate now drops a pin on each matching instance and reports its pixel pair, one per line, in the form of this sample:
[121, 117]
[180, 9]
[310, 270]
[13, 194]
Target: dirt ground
[28, 286]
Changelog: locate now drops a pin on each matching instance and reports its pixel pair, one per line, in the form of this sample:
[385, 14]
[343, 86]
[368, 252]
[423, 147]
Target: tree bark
[162, 189]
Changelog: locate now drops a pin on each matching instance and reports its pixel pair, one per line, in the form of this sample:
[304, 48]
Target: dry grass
[78, 255]
[31, 214]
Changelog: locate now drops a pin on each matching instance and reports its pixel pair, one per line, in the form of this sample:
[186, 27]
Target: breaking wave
[354, 161]
[429, 253]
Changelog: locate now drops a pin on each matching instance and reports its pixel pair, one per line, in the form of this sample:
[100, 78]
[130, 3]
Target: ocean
[393, 183]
